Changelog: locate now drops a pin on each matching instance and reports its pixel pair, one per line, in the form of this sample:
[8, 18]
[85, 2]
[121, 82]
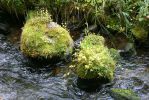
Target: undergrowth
[120, 16]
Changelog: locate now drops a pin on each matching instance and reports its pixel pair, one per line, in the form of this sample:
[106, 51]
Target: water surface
[24, 79]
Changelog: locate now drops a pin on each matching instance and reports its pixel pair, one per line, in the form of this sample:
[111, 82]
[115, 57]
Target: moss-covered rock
[123, 94]
[94, 59]
[41, 38]
[140, 33]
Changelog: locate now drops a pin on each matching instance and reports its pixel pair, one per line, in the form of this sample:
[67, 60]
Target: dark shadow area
[10, 21]
[39, 67]
[91, 85]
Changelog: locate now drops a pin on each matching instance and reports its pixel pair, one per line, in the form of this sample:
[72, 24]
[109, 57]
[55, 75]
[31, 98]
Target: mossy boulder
[94, 59]
[41, 38]
[123, 94]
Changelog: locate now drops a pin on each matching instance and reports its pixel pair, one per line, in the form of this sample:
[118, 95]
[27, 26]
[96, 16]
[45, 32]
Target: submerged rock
[43, 39]
[124, 94]
[94, 60]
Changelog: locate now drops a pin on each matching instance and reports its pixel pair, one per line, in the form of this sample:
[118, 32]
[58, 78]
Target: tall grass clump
[110, 16]
[13, 6]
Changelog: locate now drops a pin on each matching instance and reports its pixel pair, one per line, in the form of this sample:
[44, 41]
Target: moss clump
[41, 38]
[94, 59]
[140, 33]
[124, 94]
[91, 40]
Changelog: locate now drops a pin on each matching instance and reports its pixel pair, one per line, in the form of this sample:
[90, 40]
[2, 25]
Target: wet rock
[128, 50]
[4, 26]
[123, 94]
[2, 37]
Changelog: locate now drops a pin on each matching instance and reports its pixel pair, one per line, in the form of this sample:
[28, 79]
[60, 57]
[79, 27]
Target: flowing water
[24, 79]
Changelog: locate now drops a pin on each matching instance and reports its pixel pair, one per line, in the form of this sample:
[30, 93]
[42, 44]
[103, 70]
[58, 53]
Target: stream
[24, 79]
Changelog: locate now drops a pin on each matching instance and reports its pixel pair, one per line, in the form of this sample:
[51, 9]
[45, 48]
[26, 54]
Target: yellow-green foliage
[94, 59]
[41, 38]
[92, 40]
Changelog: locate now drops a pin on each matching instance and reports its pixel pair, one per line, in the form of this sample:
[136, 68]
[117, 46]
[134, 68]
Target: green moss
[124, 94]
[43, 39]
[140, 33]
[113, 23]
[94, 59]
[92, 40]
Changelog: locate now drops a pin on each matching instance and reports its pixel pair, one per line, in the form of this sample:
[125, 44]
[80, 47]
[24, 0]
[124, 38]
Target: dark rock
[4, 28]
[128, 51]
